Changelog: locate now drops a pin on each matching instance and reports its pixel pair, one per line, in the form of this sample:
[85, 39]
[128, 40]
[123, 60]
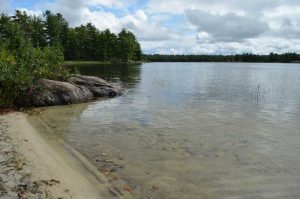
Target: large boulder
[57, 93]
[98, 86]
[78, 89]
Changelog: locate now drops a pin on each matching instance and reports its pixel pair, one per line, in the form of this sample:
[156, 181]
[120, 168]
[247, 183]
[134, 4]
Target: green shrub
[22, 65]
[14, 79]
[18, 75]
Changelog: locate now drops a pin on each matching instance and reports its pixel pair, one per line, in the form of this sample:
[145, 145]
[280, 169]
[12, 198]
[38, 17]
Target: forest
[247, 57]
[85, 42]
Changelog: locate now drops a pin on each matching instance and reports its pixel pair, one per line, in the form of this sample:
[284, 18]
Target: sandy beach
[33, 167]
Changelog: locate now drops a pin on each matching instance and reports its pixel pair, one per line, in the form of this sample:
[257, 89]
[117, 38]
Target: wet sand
[46, 168]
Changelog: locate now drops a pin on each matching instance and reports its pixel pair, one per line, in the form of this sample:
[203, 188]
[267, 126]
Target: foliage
[21, 64]
[56, 29]
[19, 76]
[129, 47]
[14, 79]
[85, 42]
[88, 43]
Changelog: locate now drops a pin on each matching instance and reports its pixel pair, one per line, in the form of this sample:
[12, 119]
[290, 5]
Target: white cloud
[203, 37]
[217, 6]
[227, 27]
[144, 29]
[237, 26]
[110, 3]
[284, 21]
[190, 26]
[138, 22]
[179, 6]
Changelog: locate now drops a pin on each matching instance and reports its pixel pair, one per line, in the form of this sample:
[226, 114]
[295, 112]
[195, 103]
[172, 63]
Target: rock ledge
[78, 89]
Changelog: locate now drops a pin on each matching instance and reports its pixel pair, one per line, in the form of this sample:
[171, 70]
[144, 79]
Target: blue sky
[186, 26]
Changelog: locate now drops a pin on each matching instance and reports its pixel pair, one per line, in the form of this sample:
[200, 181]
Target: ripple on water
[193, 130]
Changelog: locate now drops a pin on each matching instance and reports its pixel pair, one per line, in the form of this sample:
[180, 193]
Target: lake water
[191, 130]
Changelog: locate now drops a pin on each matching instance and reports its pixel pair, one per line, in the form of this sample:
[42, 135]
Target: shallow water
[191, 130]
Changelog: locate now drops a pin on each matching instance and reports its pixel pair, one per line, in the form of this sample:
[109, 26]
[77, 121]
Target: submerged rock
[99, 87]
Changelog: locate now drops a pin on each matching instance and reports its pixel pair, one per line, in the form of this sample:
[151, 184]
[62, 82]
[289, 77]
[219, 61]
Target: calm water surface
[191, 130]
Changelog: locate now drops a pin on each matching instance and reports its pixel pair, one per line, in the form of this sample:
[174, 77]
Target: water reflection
[129, 73]
[194, 130]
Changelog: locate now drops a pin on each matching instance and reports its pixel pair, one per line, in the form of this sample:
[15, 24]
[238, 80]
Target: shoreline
[57, 169]
[72, 63]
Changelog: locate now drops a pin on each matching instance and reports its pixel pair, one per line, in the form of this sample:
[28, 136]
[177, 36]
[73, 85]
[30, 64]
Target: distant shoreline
[247, 57]
[71, 63]
[222, 62]
[74, 63]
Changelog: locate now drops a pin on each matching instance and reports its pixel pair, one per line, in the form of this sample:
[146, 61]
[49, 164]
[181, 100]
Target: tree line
[84, 42]
[247, 57]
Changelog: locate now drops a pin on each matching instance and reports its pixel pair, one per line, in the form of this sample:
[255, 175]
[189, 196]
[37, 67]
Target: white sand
[59, 162]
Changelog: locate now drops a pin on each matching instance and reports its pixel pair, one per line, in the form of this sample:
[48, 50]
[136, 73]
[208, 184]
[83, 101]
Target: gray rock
[98, 86]
[78, 89]
[57, 93]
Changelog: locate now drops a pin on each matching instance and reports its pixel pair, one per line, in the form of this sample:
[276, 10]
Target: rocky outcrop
[98, 86]
[78, 89]
[51, 93]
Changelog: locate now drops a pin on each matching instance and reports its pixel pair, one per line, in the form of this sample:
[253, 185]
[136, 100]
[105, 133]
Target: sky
[185, 26]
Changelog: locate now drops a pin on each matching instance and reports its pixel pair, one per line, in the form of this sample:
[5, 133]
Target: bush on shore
[21, 65]
[18, 76]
